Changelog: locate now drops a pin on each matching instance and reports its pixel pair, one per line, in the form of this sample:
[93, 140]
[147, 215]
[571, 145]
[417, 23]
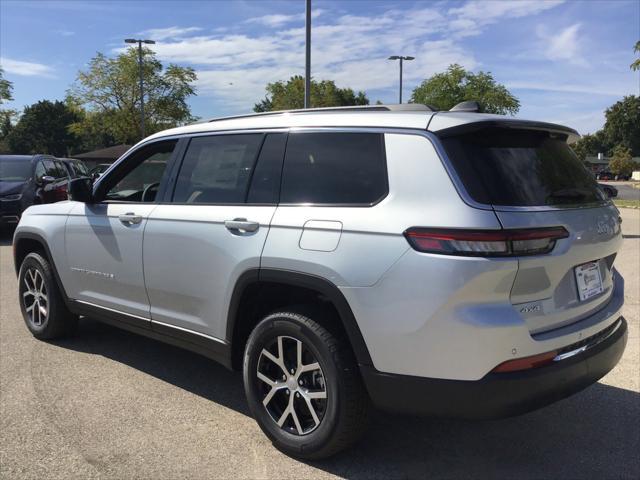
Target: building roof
[109, 153]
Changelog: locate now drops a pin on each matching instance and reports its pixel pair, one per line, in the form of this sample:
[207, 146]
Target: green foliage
[6, 95]
[636, 64]
[44, 128]
[290, 95]
[110, 91]
[590, 144]
[622, 126]
[621, 162]
[6, 89]
[445, 90]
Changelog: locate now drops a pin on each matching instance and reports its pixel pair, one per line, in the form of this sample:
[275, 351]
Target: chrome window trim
[432, 137]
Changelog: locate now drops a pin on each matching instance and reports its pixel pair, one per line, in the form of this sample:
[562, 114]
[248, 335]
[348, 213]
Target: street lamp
[140, 42]
[401, 58]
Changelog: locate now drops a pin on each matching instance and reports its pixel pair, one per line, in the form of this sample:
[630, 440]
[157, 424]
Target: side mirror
[80, 190]
[46, 180]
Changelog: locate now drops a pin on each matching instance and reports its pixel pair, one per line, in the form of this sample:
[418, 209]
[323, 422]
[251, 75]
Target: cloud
[472, 16]
[169, 33]
[66, 33]
[234, 65]
[564, 45]
[278, 20]
[26, 69]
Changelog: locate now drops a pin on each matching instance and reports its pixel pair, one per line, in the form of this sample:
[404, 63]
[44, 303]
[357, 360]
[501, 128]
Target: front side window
[61, 169]
[139, 177]
[334, 168]
[217, 169]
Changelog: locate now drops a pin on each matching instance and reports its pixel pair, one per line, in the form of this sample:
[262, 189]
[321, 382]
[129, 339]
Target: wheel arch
[25, 243]
[259, 284]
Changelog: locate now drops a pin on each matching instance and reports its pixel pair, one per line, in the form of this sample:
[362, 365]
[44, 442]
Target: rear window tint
[503, 166]
[334, 168]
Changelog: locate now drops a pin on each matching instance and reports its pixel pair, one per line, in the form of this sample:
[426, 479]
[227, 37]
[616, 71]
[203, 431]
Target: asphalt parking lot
[110, 404]
[626, 190]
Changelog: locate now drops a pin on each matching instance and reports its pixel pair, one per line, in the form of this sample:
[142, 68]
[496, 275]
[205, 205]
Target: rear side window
[334, 168]
[503, 166]
[217, 169]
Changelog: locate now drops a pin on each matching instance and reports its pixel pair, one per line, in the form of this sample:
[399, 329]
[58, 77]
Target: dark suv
[29, 179]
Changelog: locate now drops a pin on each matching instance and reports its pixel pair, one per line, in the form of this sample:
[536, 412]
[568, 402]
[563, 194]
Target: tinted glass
[62, 169]
[15, 170]
[217, 169]
[510, 167]
[80, 168]
[40, 170]
[140, 177]
[50, 168]
[265, 183]
[334, 168]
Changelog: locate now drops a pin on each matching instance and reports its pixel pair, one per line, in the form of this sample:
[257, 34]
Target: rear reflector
[526, 363]
[485, 243]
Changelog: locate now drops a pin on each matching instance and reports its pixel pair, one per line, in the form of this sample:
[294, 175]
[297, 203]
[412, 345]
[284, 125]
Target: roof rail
[403, 107]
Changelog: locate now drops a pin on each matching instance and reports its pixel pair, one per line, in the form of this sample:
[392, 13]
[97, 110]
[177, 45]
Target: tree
[6, 95]
[636, 64]
[44, 128]
[621, 162]
[110, 89]
[445, 90]
[6, 88]
[591, 144]
[622, 126]
[290, 95]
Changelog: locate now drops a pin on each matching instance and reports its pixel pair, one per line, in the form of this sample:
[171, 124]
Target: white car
[441, 263]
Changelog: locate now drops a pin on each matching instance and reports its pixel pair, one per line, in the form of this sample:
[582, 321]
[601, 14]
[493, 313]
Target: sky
[566, 61]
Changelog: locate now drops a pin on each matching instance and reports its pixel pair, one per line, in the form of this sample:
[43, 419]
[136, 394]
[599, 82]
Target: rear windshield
[504, 166]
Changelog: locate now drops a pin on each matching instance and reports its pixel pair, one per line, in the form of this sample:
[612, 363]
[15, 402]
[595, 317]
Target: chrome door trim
[186, 330]
[113, 310]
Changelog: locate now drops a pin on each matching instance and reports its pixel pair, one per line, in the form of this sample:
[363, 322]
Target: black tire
[345, 411]
[58, 321]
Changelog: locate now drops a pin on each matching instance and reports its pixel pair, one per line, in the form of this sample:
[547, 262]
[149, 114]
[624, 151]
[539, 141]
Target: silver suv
[443, 263]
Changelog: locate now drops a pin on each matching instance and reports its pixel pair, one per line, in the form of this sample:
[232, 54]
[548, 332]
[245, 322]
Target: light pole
[307, 62]
[140, 42]
[401, 58]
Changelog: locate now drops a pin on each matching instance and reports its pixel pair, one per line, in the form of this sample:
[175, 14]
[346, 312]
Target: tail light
[485, 243]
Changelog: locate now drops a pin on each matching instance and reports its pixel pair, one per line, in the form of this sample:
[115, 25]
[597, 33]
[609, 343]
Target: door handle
[130, 218]
[241, 225]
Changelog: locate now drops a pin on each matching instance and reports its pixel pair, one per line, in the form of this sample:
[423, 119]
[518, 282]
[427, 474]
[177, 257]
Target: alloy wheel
[35, 297]
[292, 385]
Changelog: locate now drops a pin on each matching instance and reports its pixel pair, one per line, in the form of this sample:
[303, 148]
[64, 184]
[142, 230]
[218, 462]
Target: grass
[627, 203]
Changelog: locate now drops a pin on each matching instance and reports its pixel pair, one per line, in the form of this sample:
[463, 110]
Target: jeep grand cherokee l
[442, 263]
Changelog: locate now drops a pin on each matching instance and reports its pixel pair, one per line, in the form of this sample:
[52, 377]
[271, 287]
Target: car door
[50, 189]
[213, 229]
[104, 239]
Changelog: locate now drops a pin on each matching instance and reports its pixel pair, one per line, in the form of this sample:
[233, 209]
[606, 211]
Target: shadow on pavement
[6, 236]
[590, 435]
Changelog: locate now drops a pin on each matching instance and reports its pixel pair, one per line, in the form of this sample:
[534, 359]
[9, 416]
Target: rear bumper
[497, 394]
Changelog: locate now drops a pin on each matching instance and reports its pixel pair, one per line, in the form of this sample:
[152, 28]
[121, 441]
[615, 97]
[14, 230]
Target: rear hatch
[531, 179]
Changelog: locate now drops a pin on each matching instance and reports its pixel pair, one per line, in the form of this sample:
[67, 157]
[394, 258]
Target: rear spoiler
[570, 134]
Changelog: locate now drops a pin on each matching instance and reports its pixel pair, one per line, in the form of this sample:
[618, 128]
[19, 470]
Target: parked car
[604, 176]
[29, 179]
[609, 190]
[346, 257]
[75, 168]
